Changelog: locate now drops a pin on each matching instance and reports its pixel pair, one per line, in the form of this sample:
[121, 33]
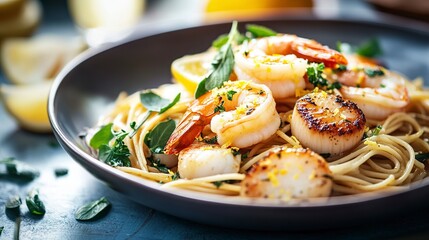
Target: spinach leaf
[91, 210]
[157, 138]
[102, 137]
[20, 169]
[155, 103]
[61, 172]
[222, 66]
[258, 31]
[13, 202]
[34, 204]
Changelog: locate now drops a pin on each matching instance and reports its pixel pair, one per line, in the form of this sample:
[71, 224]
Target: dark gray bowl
[94, 79]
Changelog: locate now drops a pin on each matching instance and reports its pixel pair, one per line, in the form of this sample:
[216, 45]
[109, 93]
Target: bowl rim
[86, 158]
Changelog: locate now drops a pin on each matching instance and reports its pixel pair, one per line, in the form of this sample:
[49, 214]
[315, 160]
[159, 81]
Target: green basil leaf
[61, 172]
[222, 66]
[201, 88]
[155, 103]
[13, 202]
[102, 137]
[116, 156]
[157, 138]
[91, 210]
[21, 170]
[258, 31]
[220, 41]
[34, 204]
[370, 48]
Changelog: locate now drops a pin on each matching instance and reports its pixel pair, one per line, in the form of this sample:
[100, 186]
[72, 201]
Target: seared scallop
[288, 173]
[327, 124]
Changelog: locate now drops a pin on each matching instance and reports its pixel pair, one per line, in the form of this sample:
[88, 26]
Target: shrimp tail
[192, 124]
[316, 52]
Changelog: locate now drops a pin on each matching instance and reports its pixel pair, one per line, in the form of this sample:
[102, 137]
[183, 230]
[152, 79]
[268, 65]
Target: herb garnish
[15, 168]
[61, 172]
[34, 204]
[373, 132]
[220, 107]
[370, 48]
[156, 163]
[316, 77]
[230, 94]
[422, 157]
[13, 202]
[257, 31]
[373, 72]
[157, 138]
[212, 140]
[155, 103]
[92, 209]
[222, 65]
[175, 176]
[118, 154]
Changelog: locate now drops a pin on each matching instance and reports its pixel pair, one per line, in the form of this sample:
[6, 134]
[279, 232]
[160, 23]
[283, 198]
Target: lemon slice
[27, 61]
[10, 8]
[28, 105]
[191, 69]
[24, 22]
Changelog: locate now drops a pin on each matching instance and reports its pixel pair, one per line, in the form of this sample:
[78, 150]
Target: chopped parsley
[316, 77]
[373, 72]
[230, 94]
[212, 140]
[220, 107]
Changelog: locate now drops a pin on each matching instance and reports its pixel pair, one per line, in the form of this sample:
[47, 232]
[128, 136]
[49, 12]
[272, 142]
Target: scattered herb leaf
[15, 168]
[175, 176]
[212, 140]
[157, 138]
[116, 156]
[102, 137]
[156, 163]
[155, 103]
[334, 85]
[61, 172]
[373, 72]
[258, 31]
[315, 75]
[222, 65]
[218, 183]
[220, 41]
[422, 157]
[230, 94]
[34, 204]
[373, 132]
[220, 107]
[91, 210]
[370, 48]
[13, 202]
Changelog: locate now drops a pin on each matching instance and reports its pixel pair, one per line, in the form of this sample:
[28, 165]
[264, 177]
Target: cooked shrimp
[326, 123]
[202, 160]
[280, 62]
[240, 113]
[376, 90]
[288, 173]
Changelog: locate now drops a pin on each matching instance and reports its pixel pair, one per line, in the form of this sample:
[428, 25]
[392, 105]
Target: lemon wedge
[28, 61]
[191, 69]
[28, 105]
[19, 20]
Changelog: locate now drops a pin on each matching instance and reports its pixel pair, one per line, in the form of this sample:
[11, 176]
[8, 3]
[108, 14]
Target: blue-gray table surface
[127, 219]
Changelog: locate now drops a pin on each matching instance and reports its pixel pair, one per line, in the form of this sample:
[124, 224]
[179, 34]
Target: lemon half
[28, 61]
[191, 69]
[28, 104]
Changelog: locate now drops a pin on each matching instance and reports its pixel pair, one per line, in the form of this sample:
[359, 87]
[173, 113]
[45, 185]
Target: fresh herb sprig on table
[34, 204]
[18, 169]
[91, 210]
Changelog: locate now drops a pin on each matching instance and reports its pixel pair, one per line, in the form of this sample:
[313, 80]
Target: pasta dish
[274, 116]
